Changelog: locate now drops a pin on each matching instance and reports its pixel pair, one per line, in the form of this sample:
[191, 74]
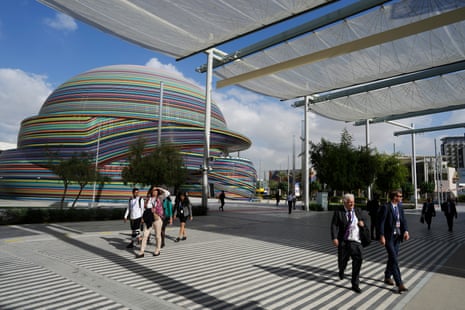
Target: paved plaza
[251, 256]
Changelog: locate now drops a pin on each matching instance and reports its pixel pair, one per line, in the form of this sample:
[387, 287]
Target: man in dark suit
[392, 230]
[345, 235]
[449, 209]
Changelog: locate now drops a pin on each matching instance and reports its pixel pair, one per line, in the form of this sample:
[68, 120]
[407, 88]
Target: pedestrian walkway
[250, 256]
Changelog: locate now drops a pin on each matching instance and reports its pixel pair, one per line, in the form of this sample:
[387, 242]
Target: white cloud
[21, 96]
[61, 22]
[170, 69]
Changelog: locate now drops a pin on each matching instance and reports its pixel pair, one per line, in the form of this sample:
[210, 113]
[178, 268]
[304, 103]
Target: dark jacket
[453, 209]
[339, 222]
[183, 208]
[428, 210]
[387, 221]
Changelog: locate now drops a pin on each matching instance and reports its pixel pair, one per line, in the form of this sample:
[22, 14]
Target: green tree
[78, 169]
[391, 174]
[407, 190]
[165, 165]
[62, 168]
[341, 166]
[83, 172]
[134, 172]
[426, 188]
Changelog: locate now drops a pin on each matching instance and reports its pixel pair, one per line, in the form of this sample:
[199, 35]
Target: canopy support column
[206, 146]
[306, 155]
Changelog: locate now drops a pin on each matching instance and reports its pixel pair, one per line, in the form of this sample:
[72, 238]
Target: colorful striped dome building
[105, 110]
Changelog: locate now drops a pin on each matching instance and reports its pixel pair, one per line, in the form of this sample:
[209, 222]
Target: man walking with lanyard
[345, 234]
[393, 230]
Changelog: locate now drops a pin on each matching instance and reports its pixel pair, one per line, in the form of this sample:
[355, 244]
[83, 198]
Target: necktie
[396, 212]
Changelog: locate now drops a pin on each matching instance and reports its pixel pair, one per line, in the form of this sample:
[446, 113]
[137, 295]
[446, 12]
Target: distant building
[452, 148]
[103, 112]
[433, 170]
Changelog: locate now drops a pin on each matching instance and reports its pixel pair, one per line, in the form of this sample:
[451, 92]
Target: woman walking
[183, 210]
[153, 219]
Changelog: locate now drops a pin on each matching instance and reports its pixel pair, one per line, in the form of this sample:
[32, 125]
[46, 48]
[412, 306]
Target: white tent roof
[180, 28]
[337, 62]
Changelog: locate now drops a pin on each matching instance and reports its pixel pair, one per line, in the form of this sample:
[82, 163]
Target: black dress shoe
[139, 255]
[176, 240]
[356, 289]
[156, 254]
[184, 238]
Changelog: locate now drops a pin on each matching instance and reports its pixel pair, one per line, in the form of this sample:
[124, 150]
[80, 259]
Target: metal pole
[96, 166]
[206, 147]
[306, 155]
[293, 164]
[436, 178]
[367, 143]
[160, 114]
[414, 168]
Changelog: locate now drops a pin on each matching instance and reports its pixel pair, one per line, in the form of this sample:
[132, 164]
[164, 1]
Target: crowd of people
[388, 226]
[154, 213]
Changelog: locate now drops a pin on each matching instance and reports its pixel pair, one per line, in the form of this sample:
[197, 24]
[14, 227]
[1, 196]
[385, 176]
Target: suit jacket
[453, 209]
[339, 223]
[387, 221]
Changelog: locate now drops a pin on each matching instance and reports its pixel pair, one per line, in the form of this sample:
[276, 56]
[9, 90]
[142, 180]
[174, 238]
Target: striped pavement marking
[71, 269]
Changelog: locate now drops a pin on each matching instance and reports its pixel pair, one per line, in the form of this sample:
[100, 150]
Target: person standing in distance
[393, 230]
[373, 210]
[345, 235]
[428, 212]
[134, 212]
[221, 197]
[449, 209]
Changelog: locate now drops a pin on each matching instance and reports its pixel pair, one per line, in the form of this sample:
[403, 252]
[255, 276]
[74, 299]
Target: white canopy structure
[352, 60]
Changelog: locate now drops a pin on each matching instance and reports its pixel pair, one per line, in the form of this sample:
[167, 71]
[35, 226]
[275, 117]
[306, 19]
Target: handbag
[148, 217]
[185, 211]
[365, 236]
[422, 219]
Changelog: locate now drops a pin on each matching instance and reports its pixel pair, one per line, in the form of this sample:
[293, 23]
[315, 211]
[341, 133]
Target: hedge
[13, 216]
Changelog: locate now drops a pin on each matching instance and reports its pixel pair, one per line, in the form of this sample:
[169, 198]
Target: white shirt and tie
[352, 233]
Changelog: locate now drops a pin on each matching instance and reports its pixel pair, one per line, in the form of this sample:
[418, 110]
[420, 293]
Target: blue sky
[40, 49]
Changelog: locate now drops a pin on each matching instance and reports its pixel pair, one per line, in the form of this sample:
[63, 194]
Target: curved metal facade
[109, 108]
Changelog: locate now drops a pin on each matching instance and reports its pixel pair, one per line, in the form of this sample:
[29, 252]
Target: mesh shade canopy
[182, 27]
[400, 37]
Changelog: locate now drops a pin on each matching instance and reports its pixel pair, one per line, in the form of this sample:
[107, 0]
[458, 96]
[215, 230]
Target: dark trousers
[450, 221]
[353, 250]
[165, 223]
[392, 266]
[428, 219]
[374, 228]
[289, 204]
[135, 226]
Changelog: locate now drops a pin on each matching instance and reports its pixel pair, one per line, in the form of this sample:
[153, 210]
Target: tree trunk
[81, 187]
